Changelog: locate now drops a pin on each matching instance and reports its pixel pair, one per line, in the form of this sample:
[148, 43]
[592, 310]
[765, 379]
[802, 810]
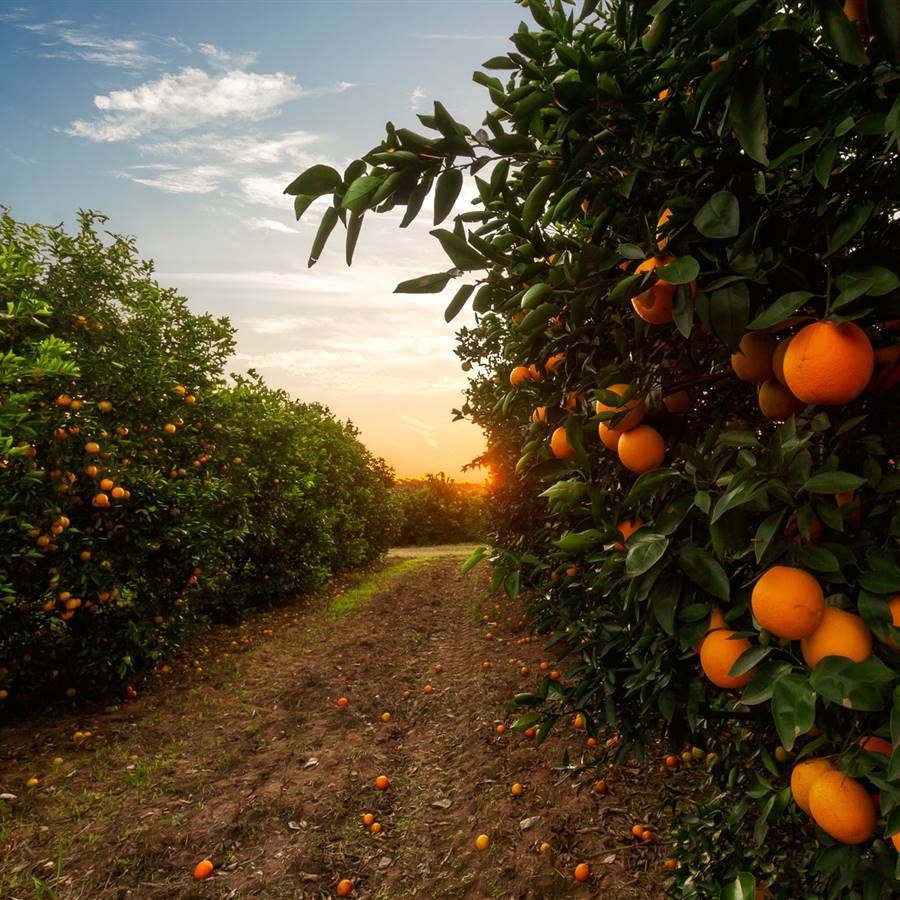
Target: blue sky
[184, 121]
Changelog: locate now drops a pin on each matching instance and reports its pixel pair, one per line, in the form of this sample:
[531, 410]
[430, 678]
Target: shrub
[437, 510]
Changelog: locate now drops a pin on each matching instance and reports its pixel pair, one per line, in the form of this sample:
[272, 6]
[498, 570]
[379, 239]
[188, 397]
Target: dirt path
[252, 763]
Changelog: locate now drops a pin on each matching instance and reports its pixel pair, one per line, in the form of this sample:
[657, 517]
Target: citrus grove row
[680, 247]
[140, 492]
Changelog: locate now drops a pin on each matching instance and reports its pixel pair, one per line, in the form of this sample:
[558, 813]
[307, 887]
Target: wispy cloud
[442, 36]
[420, 428]
[63, 39]
[16, 157]
[416, 98]
[173, 180]
[223, 59]
[270, 225]
[187, 100]
[245, 149]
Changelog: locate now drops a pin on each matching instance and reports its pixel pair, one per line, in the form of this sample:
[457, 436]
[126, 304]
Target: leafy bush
[666, 189]
[437, 510]
[140, 492]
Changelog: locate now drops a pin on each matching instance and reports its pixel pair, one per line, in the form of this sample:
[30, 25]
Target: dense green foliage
[220, 495]
[437, 510]
[756, 144]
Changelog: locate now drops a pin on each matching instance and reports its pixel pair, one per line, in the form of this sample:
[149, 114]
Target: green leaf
[314, 182]
[537, 199]
[650, 483]
[500, 62]
[719, 217]
[353, 229]
[533, 296]
[360, 191]
[461, 254]
[682, 270]
[664, 601]
[748, 109]
[424, 284]
[564, 494]
[742, 888]
[326, 226]
[744, 488]
[415, 201]
[849, 226]
[748, 660]
[704, 570]
[537, 318]
[786, 305]
[729, 311]
[645, 551]
[301, 204]
[841, 33]
[861, 686]
[793, 708]
[577, 541]
[475, 557]
[449, 184]
[884, 19]
[833, 483]
[458, 302]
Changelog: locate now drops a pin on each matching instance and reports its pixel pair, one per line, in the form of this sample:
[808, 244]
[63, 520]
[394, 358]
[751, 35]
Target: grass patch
[363, 592]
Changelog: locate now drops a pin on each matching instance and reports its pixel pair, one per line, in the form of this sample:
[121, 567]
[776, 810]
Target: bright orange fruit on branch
[635, 405]
[627, 527]
[641, 449]
[802, 777]
[655, 304]
[842, 807]
[840, 633]
[718, 653]
[753, 359]
[559, 444]
[788, 602]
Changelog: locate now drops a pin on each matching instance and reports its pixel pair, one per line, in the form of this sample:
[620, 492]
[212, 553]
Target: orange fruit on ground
[343, 702]
[776, 402]
[519, 376]
[828, 364]
[609, 436]
[842, 807]
[637, 830]
[501, 729]
[802, 777]
[788, 602]
[203, 870]
[718, 654]
[482, 842]
[876, 745]
[516, 790]
[662, 241]
[582, 872]
[539, 414]
[635, 406]
[578, 722]
[559, 445]
[344, 887]
[753, 360]
[670, 864]
[641, 449]
[382, 782]
[428, 689]
[778, 360]
[840, 633]
[376, 828]
[627, 527]
[655, 304]
[671, 761]
[368, 819]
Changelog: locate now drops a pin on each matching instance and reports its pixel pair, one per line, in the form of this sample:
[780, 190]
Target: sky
[184, 121]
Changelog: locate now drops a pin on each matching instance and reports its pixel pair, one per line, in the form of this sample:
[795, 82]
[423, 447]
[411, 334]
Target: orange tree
[682, 260]
[437, 510]
[142, 492]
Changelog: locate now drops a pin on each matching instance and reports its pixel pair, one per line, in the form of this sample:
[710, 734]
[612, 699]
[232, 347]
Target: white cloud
[416, 98]
[66, 40]
[172, 180]
[437, 36]
[271, 225]
[190, 99]
[285, 324]
[245, 149]
[419, 428]
[222, 59]
[16, 157]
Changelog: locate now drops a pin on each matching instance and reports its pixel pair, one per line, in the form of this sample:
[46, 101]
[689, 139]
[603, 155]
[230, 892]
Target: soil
[251, 763]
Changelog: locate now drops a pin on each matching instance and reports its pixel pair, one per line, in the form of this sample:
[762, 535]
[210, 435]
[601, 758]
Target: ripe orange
[788, 602]
[100, 501]
[894, 607]
[343, 702]
[578, 722]
[655, 304]
[842, 807]
[539, 414]
[840, 633]
[438, 668]
[716, 621]
[635, 405]
[678, 402]
[662, 241]
[559, 444]
[344, 887]
[609, 436]
[482, 842]
[368, 819]
[428, 689]
[803, 775]
[534, 373]
[91, 448]
[600, 786]
[582, 872]
[553, 362]
[627, 527]
[106, 484]
[670, 864]
[376, 828]
[876, 745]
[671, 761]
[382, 782]
[641, 449]
[203, 870]
[778, 359]
[516, 790]
[169, 428]
[501, 729]
[828, 364]
[637, 830]
[718, 654]
[776, 402]
[753, 360]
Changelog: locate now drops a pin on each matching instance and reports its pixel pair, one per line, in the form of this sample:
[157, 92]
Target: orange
[610, 436]
[169, 428]
[376, 828]
[842, 807]
[635, 405]
[655, 304]
[778, 360]
[428, 689]
[516, 790]
[91, 448]
[803, 775]
[582, 872]
[876, 745]
[855, 515]
[641, 449]
[559, 444]
[100, 501]
[828, 364]
[716, 621]
[627, 527]
[519, 376]
[118, 493]
[788, 602]
[571, 401]
[344, 887]
[718, 654]
[637, 830]
[894, 606]
[776, 402]
[438, 668]
[840, 633]
[539, 414]
[368, 819]
[343, 702]
[382, 782]
[106, 484]
[203, 870]
[663, 241]
[553, 362]
[678, 402]
[753, 360]
[501, 729]
[855, 11]
[482, 842]
[578, 722]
